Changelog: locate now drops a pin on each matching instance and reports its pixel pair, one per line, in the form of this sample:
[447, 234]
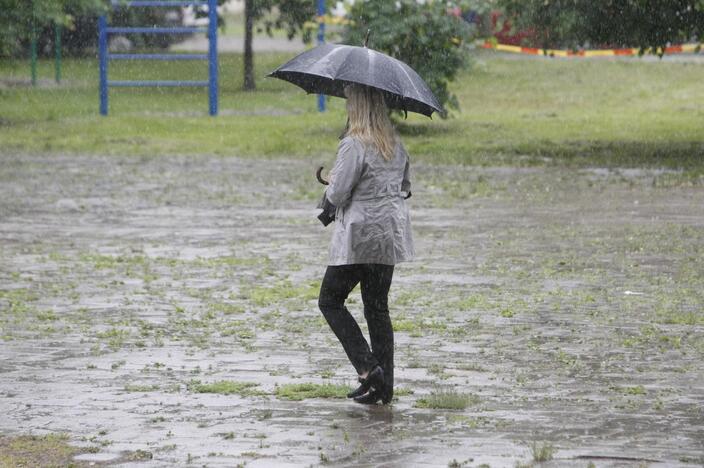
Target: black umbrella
[327, 68]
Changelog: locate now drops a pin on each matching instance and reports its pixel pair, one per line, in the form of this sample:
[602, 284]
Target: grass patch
[297, 392]
[632, 390]
[31, 450]
[506, 312]
[472, 302]
[114, 337]
[516, 112]
[263, 296]
[447, 399]
[402, 391]
[227, 308]
[225, 387]
[416, 326]
[542, 452]
[141, 388]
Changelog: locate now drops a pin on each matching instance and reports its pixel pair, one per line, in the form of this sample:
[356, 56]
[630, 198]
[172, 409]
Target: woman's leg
[376, 283]
[337, 284]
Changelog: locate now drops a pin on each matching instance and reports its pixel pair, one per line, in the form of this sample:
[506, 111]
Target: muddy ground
[160, 312]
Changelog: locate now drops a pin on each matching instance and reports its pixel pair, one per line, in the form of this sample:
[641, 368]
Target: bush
[427, 36]
[79, 19]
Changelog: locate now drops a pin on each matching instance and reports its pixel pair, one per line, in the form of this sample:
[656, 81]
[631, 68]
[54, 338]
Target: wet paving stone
[157, 311]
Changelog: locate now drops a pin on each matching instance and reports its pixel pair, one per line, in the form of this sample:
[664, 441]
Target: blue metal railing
[158, 57]
[156, 30]
[154, 83]
[321, 40]
[158, 3]
[212, 56]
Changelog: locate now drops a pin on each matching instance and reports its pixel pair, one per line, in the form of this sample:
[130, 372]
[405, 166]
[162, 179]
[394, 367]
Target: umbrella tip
[366, 38]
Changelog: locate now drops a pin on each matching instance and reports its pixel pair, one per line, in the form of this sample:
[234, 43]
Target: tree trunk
[248, 54]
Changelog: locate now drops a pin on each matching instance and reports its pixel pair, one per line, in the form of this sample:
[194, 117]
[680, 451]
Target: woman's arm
[346, 173]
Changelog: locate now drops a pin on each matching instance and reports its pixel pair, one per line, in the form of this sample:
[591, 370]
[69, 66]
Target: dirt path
[168, 305]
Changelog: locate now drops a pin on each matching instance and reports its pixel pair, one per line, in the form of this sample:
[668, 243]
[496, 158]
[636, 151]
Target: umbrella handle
[319, 177]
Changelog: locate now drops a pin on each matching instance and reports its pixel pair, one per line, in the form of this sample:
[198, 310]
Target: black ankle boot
[370, 398]
[374, 396]
[375, 379]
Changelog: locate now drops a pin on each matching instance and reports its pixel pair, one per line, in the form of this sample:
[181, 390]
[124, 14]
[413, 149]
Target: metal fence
[212, 56]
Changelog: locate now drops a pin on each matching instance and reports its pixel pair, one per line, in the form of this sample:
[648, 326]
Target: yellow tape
[508, 48]
[686, 48]
[691, 47]
[599, 53]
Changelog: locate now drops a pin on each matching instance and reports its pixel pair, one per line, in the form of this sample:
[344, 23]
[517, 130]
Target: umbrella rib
[418, 93]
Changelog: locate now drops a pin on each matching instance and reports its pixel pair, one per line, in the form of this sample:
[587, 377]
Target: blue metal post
[321, 40]
[213, 56]
[103, 63]
[33, 47]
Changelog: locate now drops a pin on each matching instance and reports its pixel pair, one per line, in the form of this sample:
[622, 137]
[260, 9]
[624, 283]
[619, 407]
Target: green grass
[542, 452]
[518, 112]
[632, 390]
[34, 450]
[262, 296]
[141, 388]
[447, 399]
[297, 392]
[224, 387]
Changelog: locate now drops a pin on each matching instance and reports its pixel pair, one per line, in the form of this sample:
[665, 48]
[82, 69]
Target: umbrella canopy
[327, 68]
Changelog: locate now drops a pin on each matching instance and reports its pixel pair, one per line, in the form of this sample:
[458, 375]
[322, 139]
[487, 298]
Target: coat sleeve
[346, 173]
[406, 182]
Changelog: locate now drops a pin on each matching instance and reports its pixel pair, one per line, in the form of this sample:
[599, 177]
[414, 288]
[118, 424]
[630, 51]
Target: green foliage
[288, 15]
[79, 21]
[648, 24]
[553, 22]
[21, 19]
[423, 35]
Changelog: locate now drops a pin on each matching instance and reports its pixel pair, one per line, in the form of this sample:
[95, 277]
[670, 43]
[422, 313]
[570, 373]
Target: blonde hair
[368, 119]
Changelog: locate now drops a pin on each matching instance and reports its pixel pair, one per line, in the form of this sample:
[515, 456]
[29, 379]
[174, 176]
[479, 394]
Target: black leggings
[375, 280]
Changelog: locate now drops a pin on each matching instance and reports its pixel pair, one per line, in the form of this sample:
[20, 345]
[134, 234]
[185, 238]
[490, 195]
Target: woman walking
[369, 185]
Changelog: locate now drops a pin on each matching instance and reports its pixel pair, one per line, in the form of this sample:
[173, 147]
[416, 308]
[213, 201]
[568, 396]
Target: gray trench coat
[372, 223]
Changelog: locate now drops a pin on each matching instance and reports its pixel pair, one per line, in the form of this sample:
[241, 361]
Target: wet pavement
[563, 307]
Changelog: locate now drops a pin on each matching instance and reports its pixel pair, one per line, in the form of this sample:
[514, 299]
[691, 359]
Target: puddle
[97, 457]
